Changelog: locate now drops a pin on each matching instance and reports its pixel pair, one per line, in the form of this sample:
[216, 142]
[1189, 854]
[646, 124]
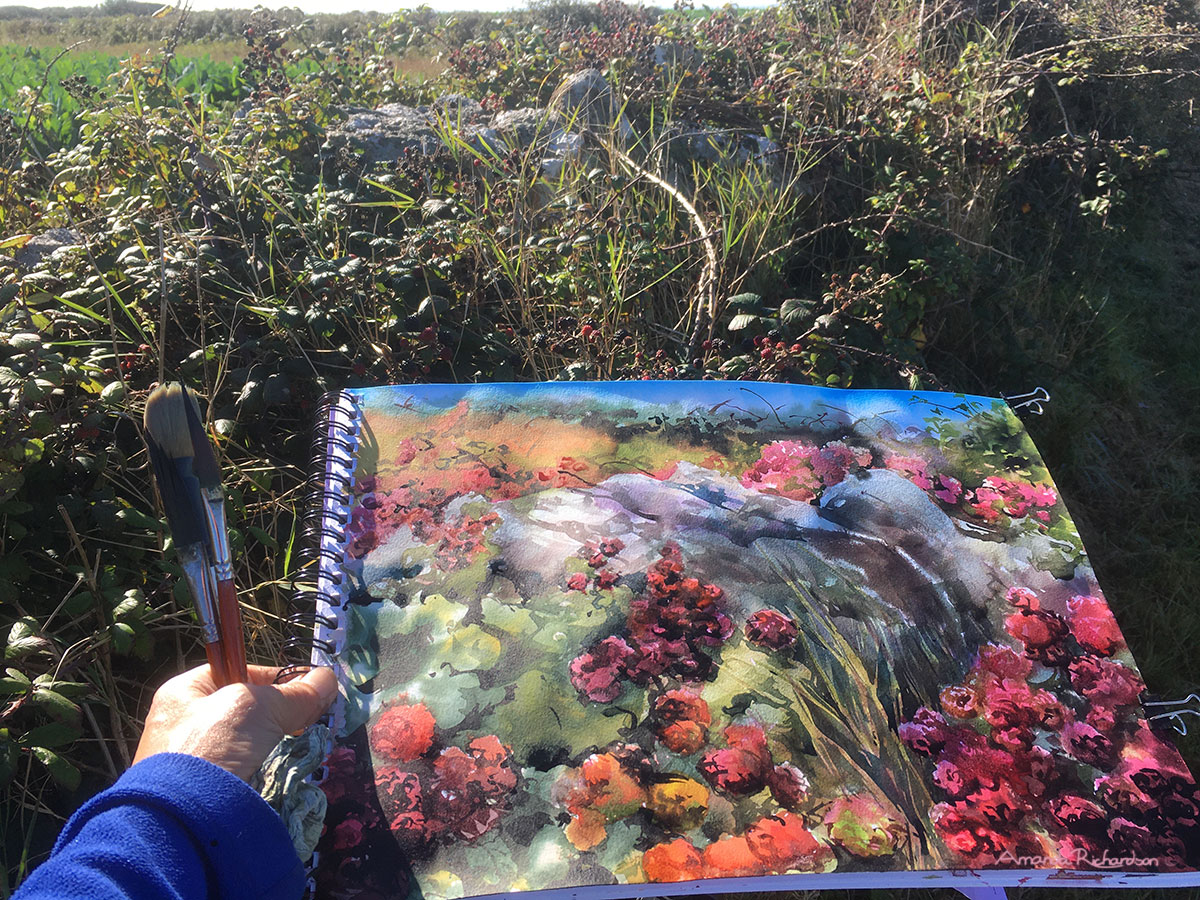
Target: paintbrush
[168, 441]
[208, 473]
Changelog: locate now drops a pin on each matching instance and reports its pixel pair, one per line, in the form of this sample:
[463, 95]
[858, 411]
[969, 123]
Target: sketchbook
[643, 638]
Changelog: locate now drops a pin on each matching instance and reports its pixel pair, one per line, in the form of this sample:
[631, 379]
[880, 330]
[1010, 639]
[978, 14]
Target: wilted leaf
[15, 242]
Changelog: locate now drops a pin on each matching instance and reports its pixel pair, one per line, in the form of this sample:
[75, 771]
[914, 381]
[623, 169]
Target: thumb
[298, 703]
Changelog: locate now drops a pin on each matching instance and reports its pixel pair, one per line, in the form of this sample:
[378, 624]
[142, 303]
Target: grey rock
[47, 244]
[384, 134]
[588, 97]
[524, 126]
[563, 146]
[722, 145]
[484, 139]
[583, 104]
[587, 102]
[687, 145]
[459, 109]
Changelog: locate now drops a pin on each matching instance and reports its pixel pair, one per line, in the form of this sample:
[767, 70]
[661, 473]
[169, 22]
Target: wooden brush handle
[233, 639]
[216, 661]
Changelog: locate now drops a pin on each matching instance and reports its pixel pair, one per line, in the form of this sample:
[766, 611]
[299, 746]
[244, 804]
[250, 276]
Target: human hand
[236, 726]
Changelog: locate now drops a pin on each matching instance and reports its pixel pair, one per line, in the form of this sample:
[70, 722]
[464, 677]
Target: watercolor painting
[623, 633]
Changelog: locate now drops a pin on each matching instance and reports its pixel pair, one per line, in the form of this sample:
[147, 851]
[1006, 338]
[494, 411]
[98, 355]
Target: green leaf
[745, 303]
[794, 312]
[546, 714]
[361, 662]
[143, 643]
[14, 682]
[55, 705]
[137, 519]
[54, 734]
[8, 761]
[617, 853]
[263, 537]
[34, 448]
[23, 639]
[549, 856]
[72, 689]
[122, 635]
[487, 864]
[356, 710]
[743, 321]
[510, 618]
[113, 393]
[64, 774]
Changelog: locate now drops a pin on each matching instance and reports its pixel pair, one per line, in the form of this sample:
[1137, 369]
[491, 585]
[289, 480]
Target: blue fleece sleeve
[173, 827]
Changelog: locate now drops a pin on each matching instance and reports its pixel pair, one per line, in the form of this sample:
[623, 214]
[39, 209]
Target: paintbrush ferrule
[214, 516]
[199, 577]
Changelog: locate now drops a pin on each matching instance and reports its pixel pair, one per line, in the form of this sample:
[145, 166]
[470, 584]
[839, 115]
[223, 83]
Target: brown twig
[706, 286]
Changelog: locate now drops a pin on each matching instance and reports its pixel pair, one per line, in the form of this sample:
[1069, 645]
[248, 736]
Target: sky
[309, 6]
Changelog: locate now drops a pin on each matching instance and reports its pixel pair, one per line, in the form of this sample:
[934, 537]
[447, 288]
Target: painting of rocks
[617, 634]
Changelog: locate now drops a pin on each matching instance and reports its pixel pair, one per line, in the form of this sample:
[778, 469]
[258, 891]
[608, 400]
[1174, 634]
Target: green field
[46, 85]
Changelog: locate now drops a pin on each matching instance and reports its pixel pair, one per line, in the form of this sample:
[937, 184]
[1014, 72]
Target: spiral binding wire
[318, 592]
[317, 595]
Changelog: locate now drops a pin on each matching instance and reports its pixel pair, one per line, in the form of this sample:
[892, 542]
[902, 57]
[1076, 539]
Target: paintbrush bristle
[180, 494]
[170, 410]
[204, 461]
[166, 420]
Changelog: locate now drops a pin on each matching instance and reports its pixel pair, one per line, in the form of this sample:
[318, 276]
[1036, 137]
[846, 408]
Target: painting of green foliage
[646, 632]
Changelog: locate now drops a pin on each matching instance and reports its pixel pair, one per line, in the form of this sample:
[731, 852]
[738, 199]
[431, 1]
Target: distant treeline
[131, 21]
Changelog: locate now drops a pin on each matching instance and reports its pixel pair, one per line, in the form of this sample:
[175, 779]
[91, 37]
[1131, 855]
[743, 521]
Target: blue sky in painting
[780, 405]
